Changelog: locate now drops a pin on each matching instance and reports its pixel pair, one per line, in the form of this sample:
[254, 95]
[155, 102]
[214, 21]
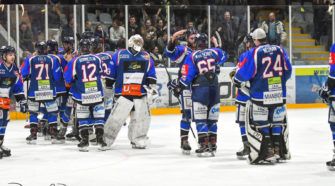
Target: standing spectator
[274, 30]
[26, 37]
[162, 41]
[88, 26]
[116, 33]
[102, 35]
[160, 28]
[133, 28]
[68, 29]
[190, 24]
[157, 56]
[228, 33]
[148, 29]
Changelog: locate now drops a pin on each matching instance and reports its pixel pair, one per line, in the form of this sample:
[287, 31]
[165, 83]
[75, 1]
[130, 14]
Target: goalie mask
[136, 42]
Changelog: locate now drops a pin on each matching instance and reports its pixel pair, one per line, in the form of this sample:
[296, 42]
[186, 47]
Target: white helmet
[136, 42]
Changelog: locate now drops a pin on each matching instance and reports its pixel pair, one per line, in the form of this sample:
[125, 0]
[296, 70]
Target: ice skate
[186, 148]
[331, 164]
[244, 152]
[32, 138]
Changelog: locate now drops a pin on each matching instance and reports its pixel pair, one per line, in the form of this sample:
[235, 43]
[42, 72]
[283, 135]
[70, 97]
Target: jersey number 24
[272, 68]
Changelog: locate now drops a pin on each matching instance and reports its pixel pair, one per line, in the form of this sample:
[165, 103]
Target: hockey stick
[170, 79]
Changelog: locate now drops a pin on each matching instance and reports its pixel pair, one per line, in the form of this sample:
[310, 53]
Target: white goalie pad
[286, 153]
[117, 118]
[255, 138]
[139, 123]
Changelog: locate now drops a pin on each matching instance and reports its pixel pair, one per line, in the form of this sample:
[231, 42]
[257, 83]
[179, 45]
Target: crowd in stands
[228, 23]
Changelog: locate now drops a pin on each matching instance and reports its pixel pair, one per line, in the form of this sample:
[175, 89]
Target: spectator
[68, 29]
[148, 29]
[55, 17]
[116, 33]
[133, 28]
[26, 37]
[103, 37]
[228, 33]
[149, 42]
[274, 30]
[162, 42]
[157, 56]
[190, 24]
[88, 25]
[160, 28]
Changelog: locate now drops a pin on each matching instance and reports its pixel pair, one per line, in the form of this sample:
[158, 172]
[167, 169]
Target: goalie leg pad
[117, 118]
[139, 123]
[257, 132]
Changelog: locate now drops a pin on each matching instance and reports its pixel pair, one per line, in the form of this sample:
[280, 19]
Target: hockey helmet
[41, 47]
[136, 42]
[52, 46]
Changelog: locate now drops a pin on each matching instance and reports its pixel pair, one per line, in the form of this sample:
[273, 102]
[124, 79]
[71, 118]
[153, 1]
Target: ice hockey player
[62, 94]
[43, 74]
[200, 71]
[178, 53]
[106, 58]
[241, 100]
[83, 75]
[267, 68]
[10, 84]
[134, 75]
[327, 93]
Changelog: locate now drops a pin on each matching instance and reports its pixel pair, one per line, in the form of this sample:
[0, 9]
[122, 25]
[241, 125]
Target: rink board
[304, 82]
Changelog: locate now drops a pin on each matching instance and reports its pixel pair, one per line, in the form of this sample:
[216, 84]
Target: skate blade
[264, 162]
[40, 134]
[33, 142]
[83, 149]
[242, 157]
[331, 168]
[138, 147]
[47, 138]
[186, 152]
[58, 141]
[104, 148]
[206, 155]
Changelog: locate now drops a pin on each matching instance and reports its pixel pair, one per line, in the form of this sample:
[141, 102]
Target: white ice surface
[163, 163]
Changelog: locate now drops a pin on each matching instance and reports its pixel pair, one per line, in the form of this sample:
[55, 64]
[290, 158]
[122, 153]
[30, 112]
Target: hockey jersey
[267, 67]
[10, 81]
[331, 75]
[178, 55]
[44, 74]
[84, 75]
[241, 97]
[131, 72]
[60, 85]
[200, 62]
[106, 59]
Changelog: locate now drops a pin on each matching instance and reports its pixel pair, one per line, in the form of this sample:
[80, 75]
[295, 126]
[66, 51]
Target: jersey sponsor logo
[275, 97]
[124, 56]
[89, 98]
[133, 78]
[134, 66]
[184, 70]
[215, 110]
[2, 71]
[332, 58]
[131, 90]
[43, 95]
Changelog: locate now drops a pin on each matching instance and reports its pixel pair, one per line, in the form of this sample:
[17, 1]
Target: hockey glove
[174, 87]
[23, 106]
[232, 74]
[324, 94]
[217, 69]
